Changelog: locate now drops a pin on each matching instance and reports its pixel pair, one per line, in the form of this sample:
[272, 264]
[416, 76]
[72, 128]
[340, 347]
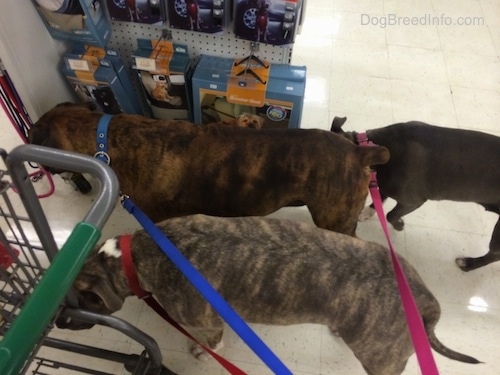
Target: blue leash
[209, 293]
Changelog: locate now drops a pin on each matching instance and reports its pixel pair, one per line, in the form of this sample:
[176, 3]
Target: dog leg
[212, 338]
[379, 360]
[334, 221]
[335, 332]
[367, 213]
[469, 264]
[385, 371]
[395, 215]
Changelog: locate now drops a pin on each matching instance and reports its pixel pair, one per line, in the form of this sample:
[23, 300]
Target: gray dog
[435, 163]
[272, 272]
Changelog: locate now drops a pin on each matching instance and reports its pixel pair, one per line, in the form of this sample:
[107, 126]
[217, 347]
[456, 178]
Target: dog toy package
[163, 68]
[224, 89]
[81, 21]
[117, 63]
[94, 79]
[267, 21]
[140, 11]
[206, 16]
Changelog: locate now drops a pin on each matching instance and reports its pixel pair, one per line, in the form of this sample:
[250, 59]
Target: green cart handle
[28, 328]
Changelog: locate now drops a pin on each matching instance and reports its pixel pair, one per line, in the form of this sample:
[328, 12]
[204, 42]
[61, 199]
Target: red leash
[415, 325]
[133, 281]
[19, 118]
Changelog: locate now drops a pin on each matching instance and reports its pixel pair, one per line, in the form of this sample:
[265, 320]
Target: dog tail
[373, 155]
[439, 347]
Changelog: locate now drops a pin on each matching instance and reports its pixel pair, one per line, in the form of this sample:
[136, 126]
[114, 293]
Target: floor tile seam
[490, 310]
[458, 86]
[422, 83]
[99, 341]
[415, 47]
[430, 226]
[392, 73]
[392, 44]
[359, 43]
[227, 356]
[448, 51]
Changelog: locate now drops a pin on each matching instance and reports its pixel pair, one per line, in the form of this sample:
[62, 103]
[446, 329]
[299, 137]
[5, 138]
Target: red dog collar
[128, 267]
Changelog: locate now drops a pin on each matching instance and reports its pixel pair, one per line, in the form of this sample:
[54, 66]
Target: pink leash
[415, 325]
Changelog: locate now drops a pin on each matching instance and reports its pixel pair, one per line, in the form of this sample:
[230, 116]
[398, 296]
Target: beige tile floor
[446, 74]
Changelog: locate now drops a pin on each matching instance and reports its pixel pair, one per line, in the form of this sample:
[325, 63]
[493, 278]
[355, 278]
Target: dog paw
[463, 264]
[367, 213]
[199, 353]
[335, 332]
[398, 224]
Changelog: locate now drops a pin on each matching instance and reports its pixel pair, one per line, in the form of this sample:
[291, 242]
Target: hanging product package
[206, 16]
[117, 64]
[150, 12]
[224, 89]
[272, 22]
[96, 80]
[80, 21]
[163, 69]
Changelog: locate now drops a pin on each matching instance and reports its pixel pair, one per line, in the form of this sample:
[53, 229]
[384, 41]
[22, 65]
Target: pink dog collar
[362, 139]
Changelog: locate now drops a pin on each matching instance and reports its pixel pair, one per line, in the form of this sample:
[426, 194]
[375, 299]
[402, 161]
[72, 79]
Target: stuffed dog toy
[434, 163]
[248, 120]
[245, 120]
[175, 168]
[274, 272]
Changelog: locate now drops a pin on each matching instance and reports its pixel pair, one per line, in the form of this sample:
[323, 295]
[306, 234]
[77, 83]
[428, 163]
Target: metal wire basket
[36, 277]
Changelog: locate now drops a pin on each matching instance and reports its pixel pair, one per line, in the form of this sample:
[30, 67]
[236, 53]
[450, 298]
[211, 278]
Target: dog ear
[337, 124]
[260, 122]
[90, 105]
[39, 135]
[373, 155]
[65, 104]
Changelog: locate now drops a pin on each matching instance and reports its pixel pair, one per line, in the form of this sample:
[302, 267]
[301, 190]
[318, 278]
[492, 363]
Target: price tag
[143, 63]
[75, 64]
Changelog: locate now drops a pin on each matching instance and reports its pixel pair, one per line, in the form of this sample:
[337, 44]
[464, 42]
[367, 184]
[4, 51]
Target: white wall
[31, 57]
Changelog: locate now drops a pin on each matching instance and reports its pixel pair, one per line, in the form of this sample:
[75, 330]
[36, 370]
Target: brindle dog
[275, 272]
[175, 168]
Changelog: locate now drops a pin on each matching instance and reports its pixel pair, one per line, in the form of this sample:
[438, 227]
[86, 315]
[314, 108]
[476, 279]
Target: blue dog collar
[102, 139]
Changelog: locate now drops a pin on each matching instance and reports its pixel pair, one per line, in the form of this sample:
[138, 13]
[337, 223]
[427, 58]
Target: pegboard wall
[125, 35]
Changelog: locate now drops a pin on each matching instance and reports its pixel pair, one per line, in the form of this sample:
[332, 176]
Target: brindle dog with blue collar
[275, 272]
[176, 168]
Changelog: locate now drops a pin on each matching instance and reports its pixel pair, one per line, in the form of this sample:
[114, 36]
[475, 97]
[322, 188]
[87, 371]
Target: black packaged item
[206, 16]
[267, 21]
[141, 11]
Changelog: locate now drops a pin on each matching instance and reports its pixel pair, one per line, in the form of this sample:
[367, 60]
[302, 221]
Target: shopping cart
[36, 277]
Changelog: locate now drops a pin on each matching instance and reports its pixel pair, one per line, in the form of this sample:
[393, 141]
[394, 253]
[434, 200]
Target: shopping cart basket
[36, 277]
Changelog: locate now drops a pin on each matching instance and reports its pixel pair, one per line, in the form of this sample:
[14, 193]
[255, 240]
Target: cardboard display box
[225, 88]
[116, 61]
[164, 70]
[96, 80]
